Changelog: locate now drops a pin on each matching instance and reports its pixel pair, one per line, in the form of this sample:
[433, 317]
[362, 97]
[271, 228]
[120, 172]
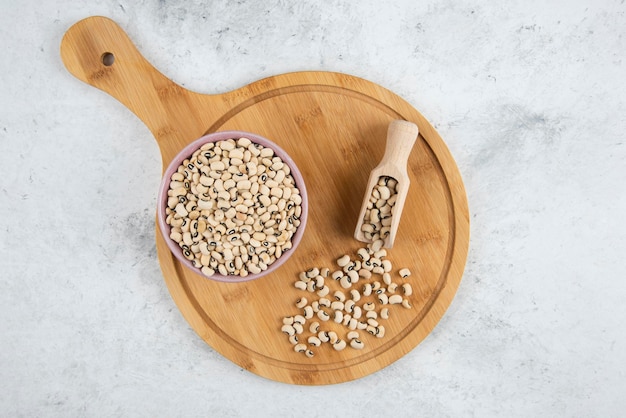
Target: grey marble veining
[529, 97]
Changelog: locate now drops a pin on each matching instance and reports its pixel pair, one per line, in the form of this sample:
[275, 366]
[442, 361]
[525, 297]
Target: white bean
[343, 260]
[314, 341]
[288, 329]
[314, 327]
[339, 345]
[395, 299]
[357, 344]
[407, 289]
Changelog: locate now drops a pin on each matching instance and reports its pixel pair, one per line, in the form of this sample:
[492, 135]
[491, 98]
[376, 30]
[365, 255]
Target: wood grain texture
[334, 127]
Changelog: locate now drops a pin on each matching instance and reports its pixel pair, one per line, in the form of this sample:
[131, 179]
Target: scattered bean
[339, 345]
[395, 299]
[405, 272]
[314, 327]
[407, 289]
[344, 310]
[357, 344]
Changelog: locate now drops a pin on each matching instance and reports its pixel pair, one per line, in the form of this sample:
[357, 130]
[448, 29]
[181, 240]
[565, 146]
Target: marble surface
[528, 95]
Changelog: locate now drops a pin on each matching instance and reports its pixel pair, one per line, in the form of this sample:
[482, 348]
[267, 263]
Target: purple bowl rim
[185, 153]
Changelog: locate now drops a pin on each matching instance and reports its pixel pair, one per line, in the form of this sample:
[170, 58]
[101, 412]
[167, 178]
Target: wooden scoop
[401, 136]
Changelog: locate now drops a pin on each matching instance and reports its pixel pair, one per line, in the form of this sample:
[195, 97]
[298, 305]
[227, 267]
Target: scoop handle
[401, 136]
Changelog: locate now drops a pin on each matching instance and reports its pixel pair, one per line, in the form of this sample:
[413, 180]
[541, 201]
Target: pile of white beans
[377, 219]
[349, 296]
[233, 207]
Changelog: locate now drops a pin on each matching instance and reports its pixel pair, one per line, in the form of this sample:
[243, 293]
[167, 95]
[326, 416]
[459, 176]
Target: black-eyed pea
[352, 324]
[355, 295]
[308, 312]
[319, 281]
[339, 296]
[337, 275]
[323, 315]
[302, 302]
[384, 313]
[387, 278]
[254, 269]
[337, 305]
[370, 306]
[332, 337]
[299, 284]
[339, 345]
[392, 287]
[343, 260]
[312, 272]
[288, 329]
[299, 319]
[361, 325]
[314, 327]
[370, 329]
[395, 299]
[407, 289]
[325, 272]
[207, 271]
[404, 273]
[367, 265]
[363, 254]
[354, 276]
[293, 339]
[176, 236]
[377, 245]
[380, 331]
[406, 304]
[365, 274]
[298, 327]
[357, 344]
[338, 317]
[323, 336]
[352, 335]
[299, 348]
[314, 341]
[346, 319]
[345, 282]
[309, 353]
[325, 302]
[383, 299]
[367, 289]
[323, 291]
[357, 312]
[376, 285]
[371, 315]
[380, 254]
[378, 270]
[372, 322]
[310, 286]
[349, 305]
[288, 320]
[315, 305]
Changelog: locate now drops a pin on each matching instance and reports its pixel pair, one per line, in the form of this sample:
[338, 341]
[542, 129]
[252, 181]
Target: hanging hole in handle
[107, 59]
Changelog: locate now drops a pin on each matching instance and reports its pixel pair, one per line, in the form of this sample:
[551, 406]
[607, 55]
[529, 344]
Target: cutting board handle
[97, 51]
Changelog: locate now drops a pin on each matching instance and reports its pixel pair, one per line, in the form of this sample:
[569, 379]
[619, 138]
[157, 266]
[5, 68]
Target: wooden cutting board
[334, 127]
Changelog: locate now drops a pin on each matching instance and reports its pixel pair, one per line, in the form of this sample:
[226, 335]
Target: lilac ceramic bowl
[185, 154]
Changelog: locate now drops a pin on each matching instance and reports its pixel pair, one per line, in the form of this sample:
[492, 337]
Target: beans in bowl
[233, 207]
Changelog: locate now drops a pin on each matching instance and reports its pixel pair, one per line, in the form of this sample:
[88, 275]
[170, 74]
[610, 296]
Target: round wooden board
[334, 127]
